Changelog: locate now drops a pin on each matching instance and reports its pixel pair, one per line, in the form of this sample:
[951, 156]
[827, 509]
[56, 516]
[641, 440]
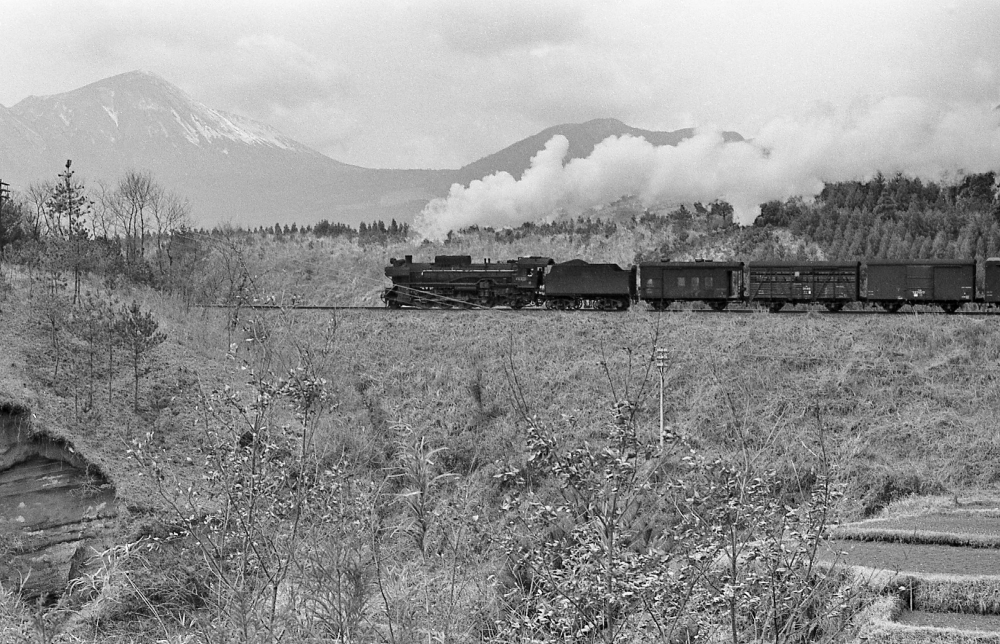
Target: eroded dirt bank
[56, 510]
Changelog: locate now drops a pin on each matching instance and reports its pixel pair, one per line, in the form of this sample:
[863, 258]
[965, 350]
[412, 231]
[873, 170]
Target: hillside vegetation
[305, 476]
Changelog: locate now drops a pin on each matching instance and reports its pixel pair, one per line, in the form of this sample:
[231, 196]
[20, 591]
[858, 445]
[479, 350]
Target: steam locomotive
[454, 281]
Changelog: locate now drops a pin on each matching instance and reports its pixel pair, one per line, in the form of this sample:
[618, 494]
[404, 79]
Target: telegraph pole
[662, 358]
[4, 198]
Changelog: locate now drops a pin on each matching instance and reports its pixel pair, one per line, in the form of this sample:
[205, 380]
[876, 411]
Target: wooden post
[4, 197]
[661, 366]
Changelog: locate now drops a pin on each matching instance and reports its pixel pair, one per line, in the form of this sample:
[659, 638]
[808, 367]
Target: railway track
[535, 311]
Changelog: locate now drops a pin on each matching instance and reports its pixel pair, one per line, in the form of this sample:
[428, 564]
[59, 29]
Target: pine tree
[939, 246]
[139, 333]
[886, 205]
[926, 248]
[68, 210]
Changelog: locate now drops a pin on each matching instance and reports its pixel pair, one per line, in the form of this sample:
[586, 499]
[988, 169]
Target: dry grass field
[420, 423]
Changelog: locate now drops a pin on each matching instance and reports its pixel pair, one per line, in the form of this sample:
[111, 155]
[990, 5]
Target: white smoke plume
[787, 158]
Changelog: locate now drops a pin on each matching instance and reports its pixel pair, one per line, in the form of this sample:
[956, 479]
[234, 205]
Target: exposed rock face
[56, 510]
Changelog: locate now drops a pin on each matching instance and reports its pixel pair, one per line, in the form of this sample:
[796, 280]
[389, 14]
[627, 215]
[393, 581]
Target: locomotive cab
[530, 274]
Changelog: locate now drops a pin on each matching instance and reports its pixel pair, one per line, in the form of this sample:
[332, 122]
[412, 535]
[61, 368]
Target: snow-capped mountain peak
[143, 105]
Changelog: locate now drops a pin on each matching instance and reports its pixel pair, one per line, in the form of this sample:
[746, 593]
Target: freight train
[454, 281]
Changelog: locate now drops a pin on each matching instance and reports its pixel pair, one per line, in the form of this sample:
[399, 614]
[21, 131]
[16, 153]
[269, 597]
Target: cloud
[273, 69]
[498, 26]
[788, 158]
[460, 79]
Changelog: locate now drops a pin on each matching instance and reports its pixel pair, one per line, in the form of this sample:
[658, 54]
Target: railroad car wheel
[660, 305]
[774, 307]
[950, 307]
[834, 307]
[892, 307]
[717, 305]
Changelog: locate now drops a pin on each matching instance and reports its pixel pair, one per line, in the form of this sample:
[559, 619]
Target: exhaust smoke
[787, 158]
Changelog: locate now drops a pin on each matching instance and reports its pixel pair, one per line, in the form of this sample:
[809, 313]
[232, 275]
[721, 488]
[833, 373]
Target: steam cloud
[787, 158]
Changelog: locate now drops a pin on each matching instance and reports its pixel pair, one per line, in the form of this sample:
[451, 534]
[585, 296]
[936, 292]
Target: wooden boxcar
[991, 281]
[714, 283]
[775, 284]
[947, 283]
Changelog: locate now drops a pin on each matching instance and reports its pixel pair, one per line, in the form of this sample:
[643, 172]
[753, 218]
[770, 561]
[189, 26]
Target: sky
[441, 83]
[824, 90]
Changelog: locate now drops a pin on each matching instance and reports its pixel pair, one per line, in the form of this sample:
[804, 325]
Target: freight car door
[920, 282]
[954, 283]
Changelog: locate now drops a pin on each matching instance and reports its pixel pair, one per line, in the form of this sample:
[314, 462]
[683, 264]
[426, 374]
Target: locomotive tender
[454, 281]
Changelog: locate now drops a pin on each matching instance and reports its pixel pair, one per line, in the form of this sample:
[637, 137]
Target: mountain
[233, 169]
[516, 158]
[229, 167]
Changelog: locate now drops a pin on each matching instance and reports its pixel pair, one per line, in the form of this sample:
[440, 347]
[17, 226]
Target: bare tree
[137, 208]
[134, 200]
[170, 213]
[103, 220]
[40, 220]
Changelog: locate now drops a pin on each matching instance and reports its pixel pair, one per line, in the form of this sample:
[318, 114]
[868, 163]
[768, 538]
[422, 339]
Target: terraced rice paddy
[947, 593]
[980, 523]
[915, 558]
[963, 621]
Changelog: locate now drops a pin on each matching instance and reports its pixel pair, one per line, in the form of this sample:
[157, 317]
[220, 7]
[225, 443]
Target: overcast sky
[440, 83]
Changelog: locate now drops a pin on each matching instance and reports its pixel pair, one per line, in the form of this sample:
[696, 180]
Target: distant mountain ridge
[234, 169]
[582, 137]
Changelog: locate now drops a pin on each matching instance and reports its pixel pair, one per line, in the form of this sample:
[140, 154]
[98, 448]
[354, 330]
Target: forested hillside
[898, 218]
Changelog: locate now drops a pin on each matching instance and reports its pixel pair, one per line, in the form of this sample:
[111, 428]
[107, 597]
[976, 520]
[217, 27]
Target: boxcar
[578, 284]
[714, 283]
[947, 283]
[775, 284]
[991, 281]
[454, 281]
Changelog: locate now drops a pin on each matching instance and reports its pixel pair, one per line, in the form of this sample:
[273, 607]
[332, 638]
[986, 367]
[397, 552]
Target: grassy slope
[901, 403]
[894, 395]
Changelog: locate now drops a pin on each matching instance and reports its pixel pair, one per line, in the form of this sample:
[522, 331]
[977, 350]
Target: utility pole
[4, 198]
[662, 362]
